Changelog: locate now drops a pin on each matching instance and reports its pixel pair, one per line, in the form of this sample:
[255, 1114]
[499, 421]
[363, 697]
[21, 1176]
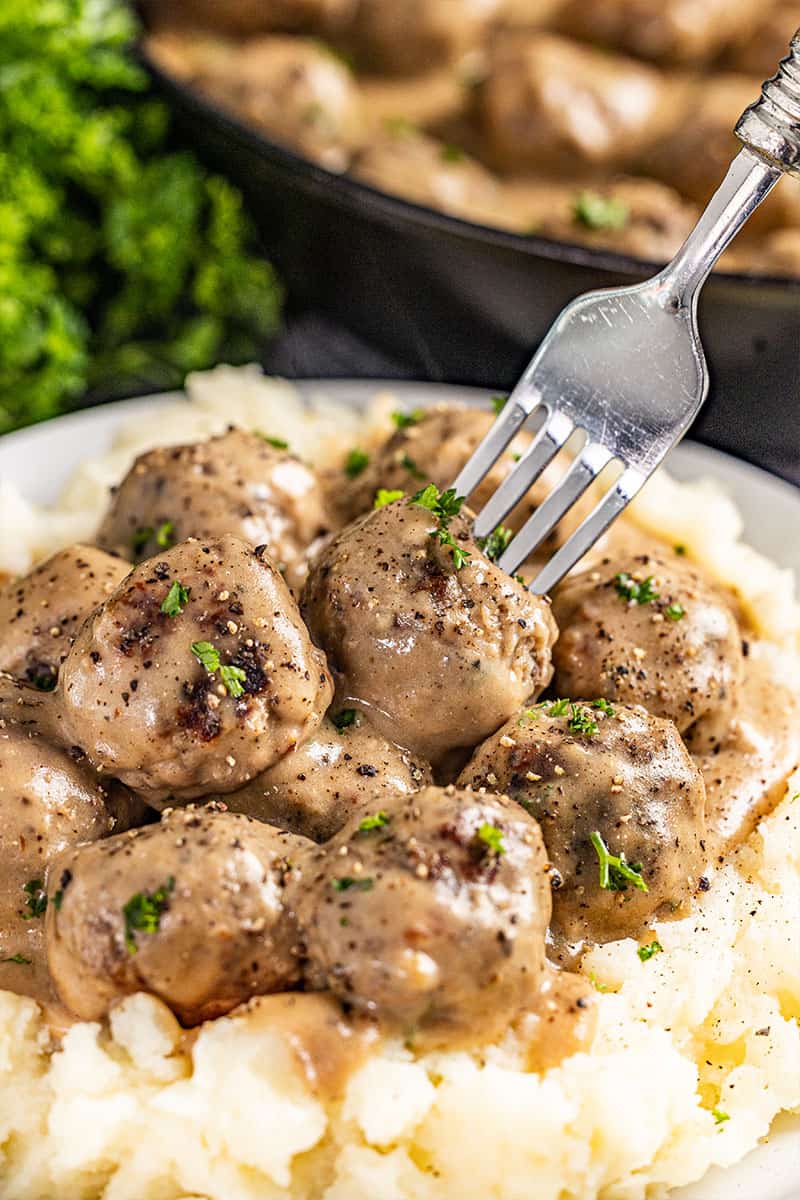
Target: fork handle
[771, 126]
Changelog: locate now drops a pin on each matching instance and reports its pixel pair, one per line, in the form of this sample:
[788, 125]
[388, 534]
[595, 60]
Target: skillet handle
[771, 126]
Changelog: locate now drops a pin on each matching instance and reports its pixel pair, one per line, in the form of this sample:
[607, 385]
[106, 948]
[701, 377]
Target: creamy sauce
[563, 1021]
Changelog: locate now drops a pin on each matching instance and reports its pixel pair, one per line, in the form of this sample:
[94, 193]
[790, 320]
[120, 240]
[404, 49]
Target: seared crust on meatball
[192, 909]
[438, 656]
[430, 915]
[621, 774]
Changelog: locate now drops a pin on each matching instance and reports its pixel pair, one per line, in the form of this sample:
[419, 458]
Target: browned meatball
[549, 103]
[251, 16]
[195, 675]
[622, 775]
[234, 483]
[192, 909]
[41, 612]
[47, 802]
[314, 790]
[432, 914]
[437, 654]
[410, 35]
[641, 629]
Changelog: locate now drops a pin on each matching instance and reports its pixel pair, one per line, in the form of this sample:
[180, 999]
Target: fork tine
[515, 413]
[544, 447]
[583, 471]
[587, 533]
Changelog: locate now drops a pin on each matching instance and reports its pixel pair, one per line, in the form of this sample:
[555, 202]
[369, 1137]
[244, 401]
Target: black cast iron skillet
[464, 303]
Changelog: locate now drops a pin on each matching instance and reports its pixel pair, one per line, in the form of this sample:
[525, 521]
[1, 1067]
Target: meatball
[439, 653]
[640, 629]
[314, 790]
[235, 483]
[615, 773]
[196, 674]
[549, 103]
[408, 36]
[47, 802]
[252, 16]
[407, 163]
[192, 909]
[41, 612]
[430, 915]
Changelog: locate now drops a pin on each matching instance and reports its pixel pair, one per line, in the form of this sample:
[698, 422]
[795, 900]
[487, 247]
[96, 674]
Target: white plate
[40, 460]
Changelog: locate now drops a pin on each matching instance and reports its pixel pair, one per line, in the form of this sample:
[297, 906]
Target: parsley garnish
[646, 952]
[411, 467]
[615, 872]
[674, 612]
[581, 721]
[603, 706]
[444, 506]
[385, 496]
[164, 533]
[175, 599]
[492, 839]
[596, 984]
[19, 959]
[559, 708]
[356, 461]
[37, 898]
[143, 912]
[599, 212]
[45, 681]
[347, 882]
[719, 1116]
[345, 718]
[207, 655]
[141, 537]
[58, 898]
[278, 443]
[635, 593]
[233, 678]
[450, 153]
[499, 403]
[378, 820]
[496, 542]
[403, 419]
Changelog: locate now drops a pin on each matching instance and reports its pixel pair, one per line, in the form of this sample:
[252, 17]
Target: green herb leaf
[58, 898]
[599, 212]
[492, 839]
[498, 403]
[603, 706]
[615, 872]
[646, 952]
[719, 1116]
[143, 912]
[559, 708]
[634, 592]
[496, 543]
[385, 496]
[207, 655]
[345, 718]
[378, 820]
[409, 465]
[141, 537]
[347, 882]
[581, 722]
[356, 462]
[164, 534]
[596, 984]
[37, 898]
[278, 443]
[233, 678]
[403, 419]
[175, 599]
[452, 154]
[444, 506]
[19, 959]
[674, 612]
[45, 681]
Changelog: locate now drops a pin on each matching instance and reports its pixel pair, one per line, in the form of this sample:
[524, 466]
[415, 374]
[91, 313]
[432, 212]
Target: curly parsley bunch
[122, 266]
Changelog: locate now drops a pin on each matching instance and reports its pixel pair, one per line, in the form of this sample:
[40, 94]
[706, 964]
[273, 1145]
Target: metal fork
[625, 366]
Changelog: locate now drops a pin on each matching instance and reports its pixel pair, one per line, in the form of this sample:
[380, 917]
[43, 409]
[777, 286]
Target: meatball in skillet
[192, 909]
[431, 913]
[315, 789]
[407, 36]
[236, 483]
[196, 674]
[239, 17]
[643, 629]
[423, 632]
[616, 775]
[41, 612]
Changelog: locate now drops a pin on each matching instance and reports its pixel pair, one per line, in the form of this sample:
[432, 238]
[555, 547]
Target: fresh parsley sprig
[615, 872]
[143, 912]
[444, 506]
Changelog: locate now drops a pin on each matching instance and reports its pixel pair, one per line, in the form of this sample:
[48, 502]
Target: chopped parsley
[719, 1116]
[347, 882]
[45, 681]
[403, 419]
[175, 599]
[596, 984]
[603, 706]
[451, 154]
[233, 678]
[37, 898]
[492, 839]
[444, 506]
[378, 820]
[385, 496]
[19, 959]
[634, 592]
[58, 898]
[412, 468]
[143, 912]
[674, 612]
[599, 212]
[141, 537]
[356, 462]
[164, 535]
[498, 403]
[207, 655]
[646, 952]
[581, 722]
[276, 442]
[496, 542]
[345, 718]
[615, 872]
[559, 708]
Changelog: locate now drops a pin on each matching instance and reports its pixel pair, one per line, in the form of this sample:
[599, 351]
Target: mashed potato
[696, 1049]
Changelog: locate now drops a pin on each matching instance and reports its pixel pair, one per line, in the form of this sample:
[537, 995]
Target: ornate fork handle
[771, 126]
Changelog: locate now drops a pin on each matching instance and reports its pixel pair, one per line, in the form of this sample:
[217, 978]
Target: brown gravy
[562, 1023]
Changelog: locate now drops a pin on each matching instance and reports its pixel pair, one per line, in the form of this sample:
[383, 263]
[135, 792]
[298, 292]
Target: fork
[624, 367]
